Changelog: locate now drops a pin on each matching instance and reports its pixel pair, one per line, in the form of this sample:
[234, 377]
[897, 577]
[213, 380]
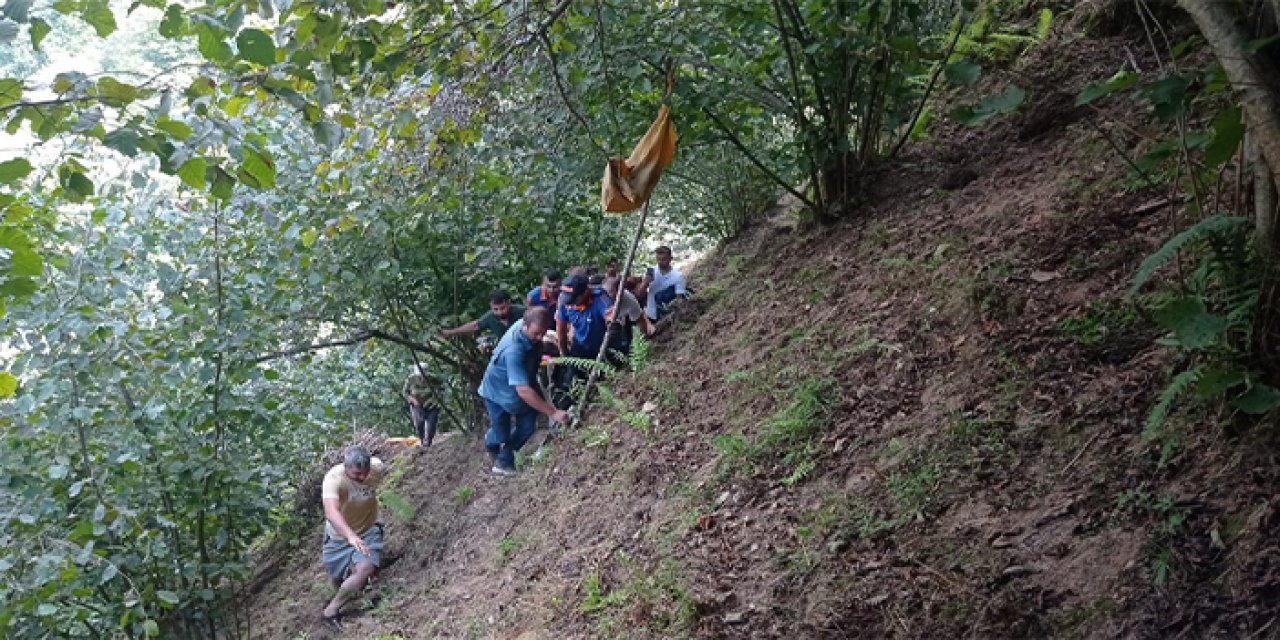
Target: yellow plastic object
[411, 441]
[628, 182]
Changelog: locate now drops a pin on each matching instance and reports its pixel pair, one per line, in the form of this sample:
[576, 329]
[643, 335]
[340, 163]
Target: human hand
[359, 543]
[561, 416]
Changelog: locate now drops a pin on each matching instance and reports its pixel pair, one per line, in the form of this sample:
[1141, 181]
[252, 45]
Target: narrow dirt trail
[924, 422]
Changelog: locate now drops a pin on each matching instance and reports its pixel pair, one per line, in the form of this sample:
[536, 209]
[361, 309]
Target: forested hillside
[980, 343]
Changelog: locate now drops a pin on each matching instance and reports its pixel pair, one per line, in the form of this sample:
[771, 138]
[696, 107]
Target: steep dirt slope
[921, 423]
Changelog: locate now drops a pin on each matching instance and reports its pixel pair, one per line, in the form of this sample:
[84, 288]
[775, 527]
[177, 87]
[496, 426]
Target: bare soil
[923, 422]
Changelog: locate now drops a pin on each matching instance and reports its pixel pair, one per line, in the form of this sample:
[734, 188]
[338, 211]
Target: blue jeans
[501, 441]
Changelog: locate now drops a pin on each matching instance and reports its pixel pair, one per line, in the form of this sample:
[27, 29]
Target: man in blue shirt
[583, 308]
[545, 295]
[508, 391]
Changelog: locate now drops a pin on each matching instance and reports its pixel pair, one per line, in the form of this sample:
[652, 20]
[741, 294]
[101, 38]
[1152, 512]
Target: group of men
[581, 309]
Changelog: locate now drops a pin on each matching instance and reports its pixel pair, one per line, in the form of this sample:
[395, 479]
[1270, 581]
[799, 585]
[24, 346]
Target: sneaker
[503, 470]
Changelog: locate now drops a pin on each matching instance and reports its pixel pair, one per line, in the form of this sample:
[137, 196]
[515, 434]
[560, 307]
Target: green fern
[604, 369]
[639, 353]
[1160, 412]
[1205, 228]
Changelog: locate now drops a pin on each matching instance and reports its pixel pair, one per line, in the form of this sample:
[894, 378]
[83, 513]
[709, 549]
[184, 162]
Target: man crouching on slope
[352, 533]
[509, 393]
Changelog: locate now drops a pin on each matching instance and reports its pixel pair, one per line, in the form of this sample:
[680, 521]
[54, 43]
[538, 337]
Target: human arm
[562, 335]
[408, 397]
[340, 526]
[470, 327]
[539, 404]
[645, 326]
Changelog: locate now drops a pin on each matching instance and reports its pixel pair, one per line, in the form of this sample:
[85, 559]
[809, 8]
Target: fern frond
[1160, 411]
[1208, 226]
[603, 368]
[639, 353]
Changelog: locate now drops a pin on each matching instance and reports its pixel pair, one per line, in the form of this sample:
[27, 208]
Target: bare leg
[350, 587]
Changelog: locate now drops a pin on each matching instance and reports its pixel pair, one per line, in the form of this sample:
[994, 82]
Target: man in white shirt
[663, 285]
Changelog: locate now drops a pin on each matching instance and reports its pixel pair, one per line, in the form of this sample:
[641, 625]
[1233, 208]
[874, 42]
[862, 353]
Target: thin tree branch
[733, 139]
[358, 338]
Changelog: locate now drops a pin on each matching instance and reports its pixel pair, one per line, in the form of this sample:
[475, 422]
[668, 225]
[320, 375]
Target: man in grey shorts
[352, 533]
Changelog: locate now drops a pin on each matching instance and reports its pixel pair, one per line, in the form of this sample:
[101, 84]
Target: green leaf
[98, 14]
[1207, 227]
[1119, 82]
[256, 46]
[963, 73]
[257, 169]
[25, 262]
[58, 471]
[151, 628]
[1228, 131]
[1259, 399]
[77, 185]
[168, 597]
[46, 609]
[10, 91]
[192, 172]
[174, 24]
[1216, 382]
[175, 128]
[14, 170]
[117, 93]
[8, 384]
[271, 374]
[39, 29]
[212, 44]
[1192, 324]
[327, 133]
[223, 183]
[123, 140]
[989, 107]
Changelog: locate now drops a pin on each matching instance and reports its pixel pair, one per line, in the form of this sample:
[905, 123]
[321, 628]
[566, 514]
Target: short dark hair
[540, 316]
[551, 274]
[663, 249]
[611, 260]
[357, 457]
[498, 296]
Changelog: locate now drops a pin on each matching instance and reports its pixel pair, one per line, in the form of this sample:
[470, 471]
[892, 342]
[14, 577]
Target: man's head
[536, 322]
[356, 463]
[663, 254]
[611, 268]
[574, 290]
[500, 303]
[551, 279]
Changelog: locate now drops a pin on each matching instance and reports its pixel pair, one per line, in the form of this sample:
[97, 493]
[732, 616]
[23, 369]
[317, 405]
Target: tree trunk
[1264, 202]
[1256, 80]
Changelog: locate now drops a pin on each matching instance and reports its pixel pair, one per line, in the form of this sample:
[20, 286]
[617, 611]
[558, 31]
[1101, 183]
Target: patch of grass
[594, 596]
[400, 507]
[1098, 321]
[735, 449]
[913, 490]
[475, 627]
[463, 494]
[1085, 611]
[508, 546]
[733, 265]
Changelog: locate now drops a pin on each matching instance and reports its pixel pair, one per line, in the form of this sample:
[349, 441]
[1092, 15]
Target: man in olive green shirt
[422, 391]
[502, 314]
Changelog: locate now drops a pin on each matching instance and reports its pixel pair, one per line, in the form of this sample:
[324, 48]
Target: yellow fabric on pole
[628, 182]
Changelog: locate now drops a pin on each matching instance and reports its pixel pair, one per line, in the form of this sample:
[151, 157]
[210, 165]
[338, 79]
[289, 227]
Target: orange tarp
[628, 182]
